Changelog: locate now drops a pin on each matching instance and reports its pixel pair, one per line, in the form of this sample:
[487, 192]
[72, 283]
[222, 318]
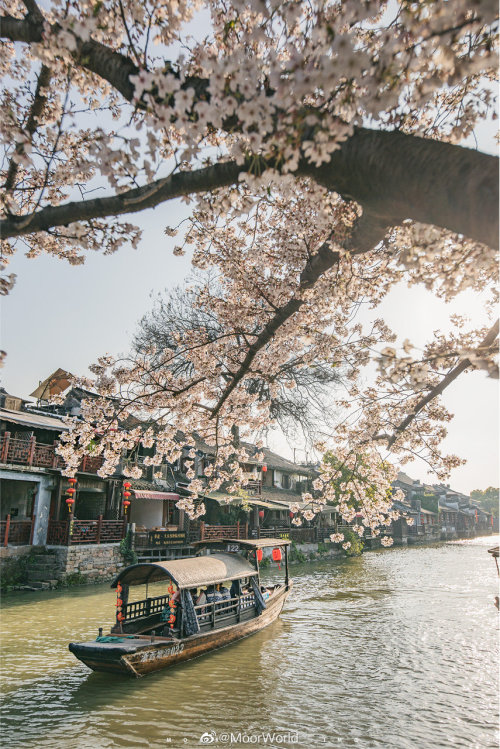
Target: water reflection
[396, 649]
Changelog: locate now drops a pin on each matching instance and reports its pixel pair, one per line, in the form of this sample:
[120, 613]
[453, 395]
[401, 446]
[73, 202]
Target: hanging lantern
[261, 514]
[264, 469]
[259, 554]
[72, 481]
[126, 485]
[277, 557]
[70, 502]
[126, 504]
[290, 514]
[127, 495]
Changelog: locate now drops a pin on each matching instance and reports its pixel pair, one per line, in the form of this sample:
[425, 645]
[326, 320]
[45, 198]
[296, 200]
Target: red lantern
[70, 490]
[277, 557]
[126, 504]
[127, 484]
[70, 501]
[71, 481]
[264, 469]
[290, 514]
[259, 554]
[126, 495]
[261, 514]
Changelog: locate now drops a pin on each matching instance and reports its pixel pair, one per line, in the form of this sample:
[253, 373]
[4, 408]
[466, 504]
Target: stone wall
[13, 562]
[88, 563]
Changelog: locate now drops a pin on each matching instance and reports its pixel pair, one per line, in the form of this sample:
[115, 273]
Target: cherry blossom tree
[319, 147]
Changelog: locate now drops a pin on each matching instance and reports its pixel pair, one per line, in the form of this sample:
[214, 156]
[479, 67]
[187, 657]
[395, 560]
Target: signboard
[167, 538]
[232, 547]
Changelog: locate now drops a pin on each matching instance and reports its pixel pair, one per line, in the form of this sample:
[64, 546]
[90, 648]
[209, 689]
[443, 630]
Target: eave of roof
[23, 418]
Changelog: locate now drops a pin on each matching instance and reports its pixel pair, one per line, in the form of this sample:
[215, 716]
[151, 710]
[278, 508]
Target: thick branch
[366, 235]
[393, 175]
[36, 110]
[132, 201]
[93, 56]
[487, 342]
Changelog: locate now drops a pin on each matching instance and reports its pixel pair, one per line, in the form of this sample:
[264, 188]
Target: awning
[141, 494]
[32, 420]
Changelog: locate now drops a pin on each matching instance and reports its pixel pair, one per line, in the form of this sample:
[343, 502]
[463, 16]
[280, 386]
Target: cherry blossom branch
[366, 235]
[394, 176]
[486, 344]
[36, 110]
[148, 196]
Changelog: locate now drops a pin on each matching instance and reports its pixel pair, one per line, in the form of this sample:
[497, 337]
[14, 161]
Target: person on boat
[225, 594]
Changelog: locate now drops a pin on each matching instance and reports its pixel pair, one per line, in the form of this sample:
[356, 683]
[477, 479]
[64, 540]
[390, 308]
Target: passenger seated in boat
[265, 592]
[211, 594]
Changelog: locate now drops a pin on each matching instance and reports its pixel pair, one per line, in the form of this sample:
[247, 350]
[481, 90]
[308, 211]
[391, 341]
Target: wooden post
[246, 529]
[213, 614]
[31, 452]
[286, 566]
[99, 528]
[55, 457]
[237, 529]
[124, 528]
[202, 530]
[7, 527]
[33, 518]
[5, 447]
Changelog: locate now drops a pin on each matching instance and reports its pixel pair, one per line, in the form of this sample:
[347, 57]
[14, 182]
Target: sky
[58, 315]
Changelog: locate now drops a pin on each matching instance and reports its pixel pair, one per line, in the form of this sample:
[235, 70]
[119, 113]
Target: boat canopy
[246, 543]
[191, 572]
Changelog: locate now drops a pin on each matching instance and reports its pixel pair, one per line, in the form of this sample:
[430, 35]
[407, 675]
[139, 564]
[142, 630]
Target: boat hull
[139, 656]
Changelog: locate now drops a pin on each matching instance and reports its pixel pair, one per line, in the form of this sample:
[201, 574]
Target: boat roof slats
[192, 572]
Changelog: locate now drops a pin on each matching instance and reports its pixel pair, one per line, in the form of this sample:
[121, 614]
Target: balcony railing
[220, 532]
[32, 453]
[68, 533]
[16, 532]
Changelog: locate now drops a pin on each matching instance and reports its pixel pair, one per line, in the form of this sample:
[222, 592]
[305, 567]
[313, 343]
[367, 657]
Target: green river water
[397, 648]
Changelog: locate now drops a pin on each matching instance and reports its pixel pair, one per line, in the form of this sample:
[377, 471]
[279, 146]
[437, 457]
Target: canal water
[397, 648]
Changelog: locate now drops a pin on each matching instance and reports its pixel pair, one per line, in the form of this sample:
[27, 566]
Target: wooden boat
[494, 553]
[143, 639]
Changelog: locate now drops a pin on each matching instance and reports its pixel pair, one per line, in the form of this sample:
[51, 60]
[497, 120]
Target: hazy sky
[63, 316]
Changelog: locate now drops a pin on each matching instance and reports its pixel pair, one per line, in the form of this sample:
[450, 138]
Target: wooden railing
[16, 532]
[32, 453]
[209, 613]
[67, 533]
[220, 532]
[146, 607]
